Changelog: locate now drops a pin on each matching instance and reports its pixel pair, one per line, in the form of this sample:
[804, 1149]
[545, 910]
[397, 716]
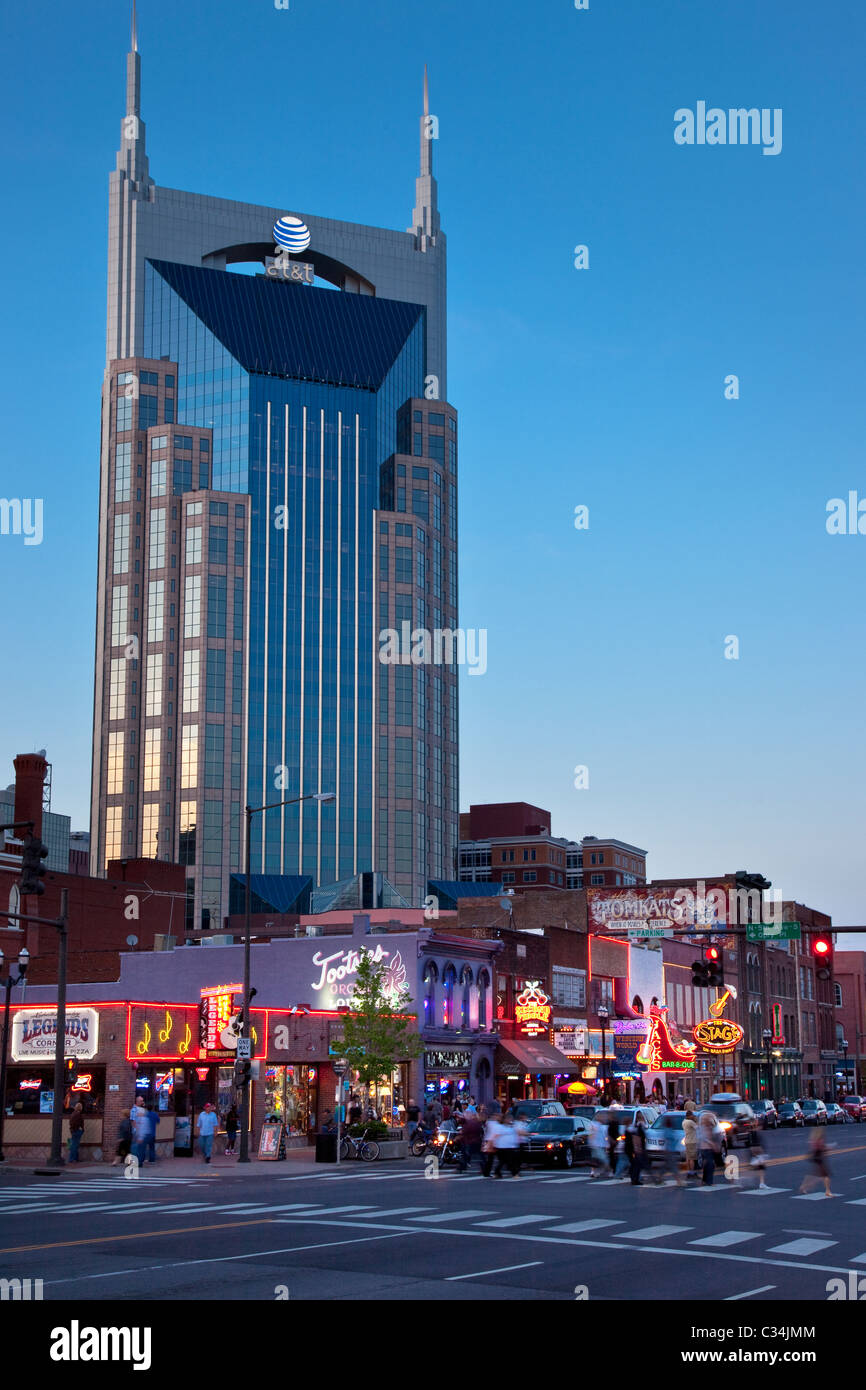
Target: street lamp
[603, 1016]
[250, 811]
[23, 962]
[768, 1037]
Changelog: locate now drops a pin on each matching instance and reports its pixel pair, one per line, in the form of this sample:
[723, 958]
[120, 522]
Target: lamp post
[249, 812]
[603, 1016]
[767, 1036]
[23, 962]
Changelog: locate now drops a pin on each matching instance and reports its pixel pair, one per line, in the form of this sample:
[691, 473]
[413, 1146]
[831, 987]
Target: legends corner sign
[34, 1032]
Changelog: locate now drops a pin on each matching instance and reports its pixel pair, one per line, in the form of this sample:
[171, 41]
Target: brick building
[511, 843]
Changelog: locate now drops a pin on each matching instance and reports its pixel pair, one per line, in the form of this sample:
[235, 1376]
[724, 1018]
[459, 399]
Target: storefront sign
[46, 1102]
[778, 1038]
[440, 1060]
[83, 1082]
[218, 1020]
[30, 1085]
[333, 985]
[718, 1034]
[34, 1030]
[532, 1009]
[570, 1041]
[164, 1033]
[271, 1141]
[642, 911]
[660, 1052]
[629, 1036]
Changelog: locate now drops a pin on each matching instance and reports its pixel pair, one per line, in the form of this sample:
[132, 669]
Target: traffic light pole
[56, 1158]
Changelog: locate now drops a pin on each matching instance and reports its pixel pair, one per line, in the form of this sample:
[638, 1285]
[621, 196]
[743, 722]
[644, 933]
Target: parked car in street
[736, 1117]
[791, 1114]
[766, 1112]
[814, 1112]
[856, 1107]
[534, 1109]
[836, 1115]
[558, 1139]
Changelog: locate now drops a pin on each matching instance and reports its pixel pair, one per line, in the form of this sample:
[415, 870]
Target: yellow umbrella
[578, 1088]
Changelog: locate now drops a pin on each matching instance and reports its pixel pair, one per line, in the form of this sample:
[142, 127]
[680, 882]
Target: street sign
[244, 1052]
[773, 931]
[636, 927]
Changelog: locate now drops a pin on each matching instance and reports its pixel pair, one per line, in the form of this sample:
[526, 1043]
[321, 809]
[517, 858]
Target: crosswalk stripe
[801, 1247]
[724, 1238]
[572, 1227]
[395, 1211]
[651, 1232]
[452, 1216]
[515, 1220]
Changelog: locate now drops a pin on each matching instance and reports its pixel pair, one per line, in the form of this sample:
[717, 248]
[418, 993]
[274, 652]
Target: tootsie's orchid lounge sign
[334, 982]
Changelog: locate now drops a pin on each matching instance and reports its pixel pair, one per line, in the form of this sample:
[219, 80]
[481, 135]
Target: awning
[535, 1055]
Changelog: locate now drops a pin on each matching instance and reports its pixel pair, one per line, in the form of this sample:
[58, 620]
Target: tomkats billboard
[640, 910]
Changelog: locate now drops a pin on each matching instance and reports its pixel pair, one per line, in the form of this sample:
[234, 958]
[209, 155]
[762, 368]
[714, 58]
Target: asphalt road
[389, 1233]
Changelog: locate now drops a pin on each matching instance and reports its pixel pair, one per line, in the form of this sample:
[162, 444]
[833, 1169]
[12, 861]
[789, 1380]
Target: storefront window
[291, 1094]
[466, 983]
[30, 1090]
[483, 987]
[449, 976]
[431, 975]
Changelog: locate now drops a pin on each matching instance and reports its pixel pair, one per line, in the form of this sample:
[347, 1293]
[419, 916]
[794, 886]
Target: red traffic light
[821, 946]
[712, 953]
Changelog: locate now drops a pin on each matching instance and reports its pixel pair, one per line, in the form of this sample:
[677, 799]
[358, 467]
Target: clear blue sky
[602, 387]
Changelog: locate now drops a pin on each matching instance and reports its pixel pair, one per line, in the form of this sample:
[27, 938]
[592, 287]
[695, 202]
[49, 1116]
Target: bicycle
[363, 1148]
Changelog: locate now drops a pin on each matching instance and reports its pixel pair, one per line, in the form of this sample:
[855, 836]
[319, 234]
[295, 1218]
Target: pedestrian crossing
[689, 1235]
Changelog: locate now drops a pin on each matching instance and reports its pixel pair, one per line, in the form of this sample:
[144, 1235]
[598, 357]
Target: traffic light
[822, 954]
[714, 965]
[242, 1073]
[700, 974]
[32, 869]
[71, 1071]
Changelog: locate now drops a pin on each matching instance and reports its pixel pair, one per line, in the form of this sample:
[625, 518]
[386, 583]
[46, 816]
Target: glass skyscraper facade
[255, 438]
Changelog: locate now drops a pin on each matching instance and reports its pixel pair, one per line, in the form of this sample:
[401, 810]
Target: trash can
[326, 1148]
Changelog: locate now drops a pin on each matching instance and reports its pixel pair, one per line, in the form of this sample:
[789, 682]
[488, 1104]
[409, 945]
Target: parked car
[558, 1139]
[534, 1109]
[583, 1112]
[814, 1112]
[856, 1107]
[835, 1114]
[768, 1115]
[736, 1117]
[791, 1114]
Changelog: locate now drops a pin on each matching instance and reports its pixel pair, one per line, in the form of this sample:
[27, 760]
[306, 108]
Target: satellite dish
[505, 904]
[132, 941]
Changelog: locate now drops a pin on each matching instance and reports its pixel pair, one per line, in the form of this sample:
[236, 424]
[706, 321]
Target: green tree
[375, 1036]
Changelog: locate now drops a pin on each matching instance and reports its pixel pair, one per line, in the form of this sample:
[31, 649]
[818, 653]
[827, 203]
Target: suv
[814, 1112]
[534, 1109]
[737, 1119]
[856, 1107]
[768, 1115]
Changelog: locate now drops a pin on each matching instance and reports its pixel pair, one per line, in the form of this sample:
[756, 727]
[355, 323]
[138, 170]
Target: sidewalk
[296, 1161]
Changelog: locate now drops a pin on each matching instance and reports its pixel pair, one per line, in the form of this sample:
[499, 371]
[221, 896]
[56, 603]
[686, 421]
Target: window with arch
[637, 1004]
[837, 994]
[449, 979]
[465, 997]
[483, 996]
[431, 978]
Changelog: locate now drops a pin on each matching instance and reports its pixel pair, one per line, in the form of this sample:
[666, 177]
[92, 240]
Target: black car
[791, 1114]
[534, 1109]
[768, 1115]
[814, 1112]
[558, 1139]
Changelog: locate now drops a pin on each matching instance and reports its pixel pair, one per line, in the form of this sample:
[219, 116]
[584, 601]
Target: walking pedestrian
[206, 1129]
[618, 1160]
[76, 1129]
[598, 1149]
[232, 1125]
[671, 1135]
[413, 1114]
[140, 1130]
[757, 1159]
[635, 1148]
[821, 1169]
[709, 1146]
[690, 1138]
[152, 1122]
[471, 1137]
[507, 1148]
[124, 1139]
[489, 1144]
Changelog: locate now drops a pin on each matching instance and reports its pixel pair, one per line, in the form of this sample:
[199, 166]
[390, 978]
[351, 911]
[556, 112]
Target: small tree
[375, 1037]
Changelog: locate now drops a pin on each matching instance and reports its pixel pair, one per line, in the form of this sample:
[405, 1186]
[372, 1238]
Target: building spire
[425, 215]
[132, 157]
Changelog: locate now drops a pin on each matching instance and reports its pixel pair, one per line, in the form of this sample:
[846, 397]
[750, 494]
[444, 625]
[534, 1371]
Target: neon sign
[778, 1038]
[83, 1082]
[532, 1009]
[660, 1052]
[30, 1085]
[717, 1034]
[158, 1032]
[218, 1021]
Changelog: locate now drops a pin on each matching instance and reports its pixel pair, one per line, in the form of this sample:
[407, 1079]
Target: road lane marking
[504, 1269]
[802, 1247]
[723, 1238]
[750, 1293]
[398, 1211]
[515, 1220]
[135, 1235]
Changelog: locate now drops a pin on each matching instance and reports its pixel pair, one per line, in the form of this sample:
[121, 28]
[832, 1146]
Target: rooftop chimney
[30, 770]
